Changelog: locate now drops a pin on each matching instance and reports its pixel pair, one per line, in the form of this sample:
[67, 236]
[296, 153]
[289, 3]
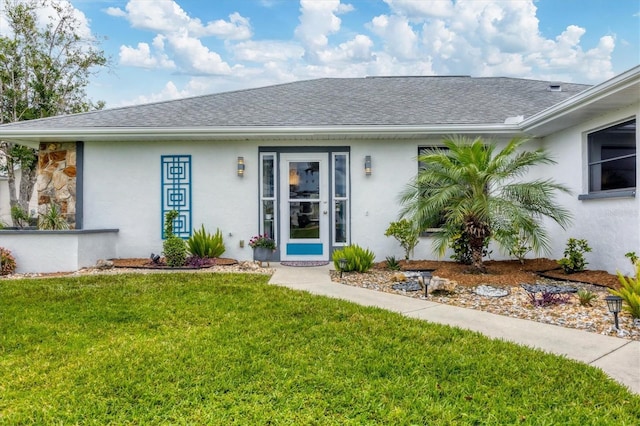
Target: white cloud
[142, 57]
[400, 38]
[115, 11]
[420, 9]
[318, 19]
[267, 51]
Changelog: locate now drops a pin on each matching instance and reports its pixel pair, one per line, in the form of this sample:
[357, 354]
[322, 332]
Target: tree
[480, 195]
[44, 70]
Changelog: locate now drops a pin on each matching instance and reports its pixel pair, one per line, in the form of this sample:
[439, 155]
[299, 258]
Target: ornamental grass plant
[231, 349]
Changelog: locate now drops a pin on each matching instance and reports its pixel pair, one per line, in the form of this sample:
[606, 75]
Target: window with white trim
[612, 158]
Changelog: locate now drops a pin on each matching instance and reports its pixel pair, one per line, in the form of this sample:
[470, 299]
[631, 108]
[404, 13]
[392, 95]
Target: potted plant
[263, 247]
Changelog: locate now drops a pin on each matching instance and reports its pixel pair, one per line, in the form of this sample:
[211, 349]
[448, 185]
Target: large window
[612, 158]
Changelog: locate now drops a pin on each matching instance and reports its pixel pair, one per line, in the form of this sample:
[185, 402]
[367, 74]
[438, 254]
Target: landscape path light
[342, 264]
[426, 280]
[614, 303]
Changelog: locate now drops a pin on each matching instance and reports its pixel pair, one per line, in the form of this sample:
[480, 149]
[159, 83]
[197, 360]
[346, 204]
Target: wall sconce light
[367, 165]
[240, 166]
[614, 304]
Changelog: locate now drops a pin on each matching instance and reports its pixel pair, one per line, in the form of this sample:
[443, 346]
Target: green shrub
[203, 244]
[358, 259]
[632, 256]
[630, 292]
[175, 251]
[19, 216]
[392, 264]
[169, 217]
[586, 297]
[7, 262]
[573, 260]
[406, 234]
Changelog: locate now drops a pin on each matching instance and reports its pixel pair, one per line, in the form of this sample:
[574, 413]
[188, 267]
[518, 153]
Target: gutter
[34, 136]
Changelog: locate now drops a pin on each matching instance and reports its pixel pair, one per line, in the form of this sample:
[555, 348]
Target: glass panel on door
[304, 200]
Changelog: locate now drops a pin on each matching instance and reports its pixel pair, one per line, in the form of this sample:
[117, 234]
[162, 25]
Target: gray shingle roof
[371, 101]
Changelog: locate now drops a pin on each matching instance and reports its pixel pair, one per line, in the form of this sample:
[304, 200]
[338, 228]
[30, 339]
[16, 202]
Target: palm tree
[470, 190]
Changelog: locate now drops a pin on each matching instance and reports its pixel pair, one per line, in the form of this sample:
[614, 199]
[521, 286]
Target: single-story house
[319, 164]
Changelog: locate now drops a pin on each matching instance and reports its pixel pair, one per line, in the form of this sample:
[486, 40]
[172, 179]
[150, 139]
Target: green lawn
[230, 349]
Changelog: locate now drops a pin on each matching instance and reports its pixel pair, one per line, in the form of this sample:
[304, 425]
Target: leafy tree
[44, 70]
[480, 193]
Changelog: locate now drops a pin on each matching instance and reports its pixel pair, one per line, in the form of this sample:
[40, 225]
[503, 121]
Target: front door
[304, 230]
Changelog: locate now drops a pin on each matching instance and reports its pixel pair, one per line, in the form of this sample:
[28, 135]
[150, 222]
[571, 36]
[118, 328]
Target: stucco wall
[611, 226]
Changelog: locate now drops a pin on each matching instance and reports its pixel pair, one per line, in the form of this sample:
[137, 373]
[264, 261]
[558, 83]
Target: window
[268, 194]
[612, 158]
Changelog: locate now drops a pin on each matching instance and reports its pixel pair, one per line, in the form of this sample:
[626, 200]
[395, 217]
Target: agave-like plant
[630, 292]
[53, 219]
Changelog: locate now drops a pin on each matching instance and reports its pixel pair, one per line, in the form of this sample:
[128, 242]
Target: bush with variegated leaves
[7, 262]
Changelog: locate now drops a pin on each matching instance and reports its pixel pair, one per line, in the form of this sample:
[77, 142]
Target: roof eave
[33, 137]
[616, 93]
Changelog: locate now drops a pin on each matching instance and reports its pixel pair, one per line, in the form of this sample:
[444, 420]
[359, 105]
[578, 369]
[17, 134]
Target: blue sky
[166, 49]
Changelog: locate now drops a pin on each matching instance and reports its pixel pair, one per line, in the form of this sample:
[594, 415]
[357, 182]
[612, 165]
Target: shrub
[19, 216]
[175, 251]
[586, 297]
[53, 219]
[630, 292]
[392, 264]
[632, 256]
[7, 262]
[358, 259]
[203, 245]
[573, 260]
[406, 234]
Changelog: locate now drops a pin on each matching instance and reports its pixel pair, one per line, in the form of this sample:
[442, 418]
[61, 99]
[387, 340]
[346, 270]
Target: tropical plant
[392, 264]
[630, 292]
[472, 188]
[406, 234]
[7, 262]
[586, 297]
[358, 258]
[204, 245]
[46, 65]
[53, 219]
[262, 241]
[573, 260]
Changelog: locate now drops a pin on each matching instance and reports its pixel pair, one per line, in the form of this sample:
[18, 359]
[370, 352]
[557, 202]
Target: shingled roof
[326, 102]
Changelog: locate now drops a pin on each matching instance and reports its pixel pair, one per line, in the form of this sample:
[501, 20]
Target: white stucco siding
[123, 190]
[611, 226]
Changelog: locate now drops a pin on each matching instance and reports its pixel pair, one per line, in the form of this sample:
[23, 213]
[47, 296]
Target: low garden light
[342, 264]
[614, 304]
[426, 280]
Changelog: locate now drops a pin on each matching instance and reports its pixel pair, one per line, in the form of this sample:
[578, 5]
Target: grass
[230, 349]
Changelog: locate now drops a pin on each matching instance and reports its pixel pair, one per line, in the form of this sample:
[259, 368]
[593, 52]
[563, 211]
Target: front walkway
[619, 358]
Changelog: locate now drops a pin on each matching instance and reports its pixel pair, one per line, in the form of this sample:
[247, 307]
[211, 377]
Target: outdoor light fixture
[342, 264]
[614, 303]
[426, 280]
[240, 166]
[367, 165]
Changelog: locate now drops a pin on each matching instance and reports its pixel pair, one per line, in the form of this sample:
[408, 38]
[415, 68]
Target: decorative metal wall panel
[176, 192]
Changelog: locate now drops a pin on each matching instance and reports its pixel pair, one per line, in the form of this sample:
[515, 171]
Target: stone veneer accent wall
[57, 175]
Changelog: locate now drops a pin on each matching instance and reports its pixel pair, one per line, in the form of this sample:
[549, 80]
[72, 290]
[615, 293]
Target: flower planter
[262, 254]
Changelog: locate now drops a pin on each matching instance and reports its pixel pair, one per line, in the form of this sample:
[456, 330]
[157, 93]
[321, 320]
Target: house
[319, 164]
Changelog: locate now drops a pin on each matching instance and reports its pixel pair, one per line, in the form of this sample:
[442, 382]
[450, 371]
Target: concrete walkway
[619, 358]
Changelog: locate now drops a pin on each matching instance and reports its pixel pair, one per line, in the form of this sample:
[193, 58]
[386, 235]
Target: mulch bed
[146, 263]
[506, 272]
